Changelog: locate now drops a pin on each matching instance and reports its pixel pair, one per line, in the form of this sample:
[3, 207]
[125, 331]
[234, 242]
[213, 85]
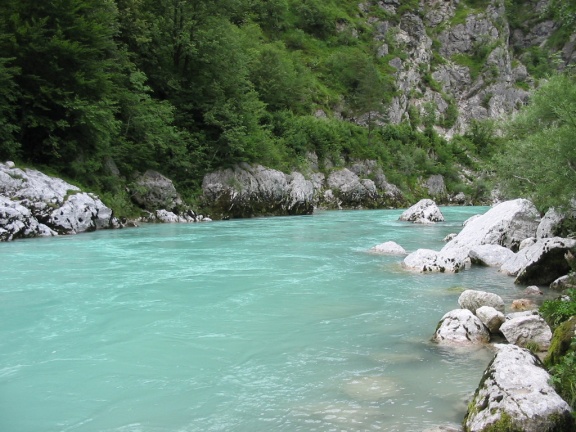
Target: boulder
[490, 255]
[541, 263]
[527, 243]
[564, 282]
[550, 224]
[152, 191]
[33, 204]
[506, 224]
[523, 330]
[249, 190]
[388, 248]
[350, 189]
[491, 318]
[436, 187]
[449, 237]
[460, 327]
[427, 260]
[533, 290]
[424, 211]
[515, 394]
[472, 300]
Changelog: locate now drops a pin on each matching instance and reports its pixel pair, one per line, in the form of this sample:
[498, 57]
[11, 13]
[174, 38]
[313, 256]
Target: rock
[349, 188]
[523, 330]
[533, 291]
[460, 327]
[491, 318]
[549, 226]
[515, 394]
[523, 305]
[166, 216]
[449, 237]
[427, 260]
[388, 248]
[564, 282]
[506, 224]
[527, 243]
[512, 315]
[153, 191]
[470, 219]
[33, 204]
[490, 255]
[541, 263]
[424, 211]
[472, 300]
[436, 187]
[248, 190]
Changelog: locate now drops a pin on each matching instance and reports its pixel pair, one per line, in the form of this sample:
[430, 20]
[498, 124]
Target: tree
[539, 161]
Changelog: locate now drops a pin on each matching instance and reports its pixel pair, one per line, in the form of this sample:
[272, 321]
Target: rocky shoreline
[514, 393]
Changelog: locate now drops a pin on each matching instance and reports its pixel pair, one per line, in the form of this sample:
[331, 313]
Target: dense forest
[98, 90]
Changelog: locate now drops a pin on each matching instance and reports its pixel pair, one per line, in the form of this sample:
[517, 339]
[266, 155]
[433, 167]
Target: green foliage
[563, 376]
[544, 132]
[557, 311]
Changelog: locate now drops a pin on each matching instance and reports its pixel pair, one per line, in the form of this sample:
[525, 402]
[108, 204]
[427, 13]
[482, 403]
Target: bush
[555, 312]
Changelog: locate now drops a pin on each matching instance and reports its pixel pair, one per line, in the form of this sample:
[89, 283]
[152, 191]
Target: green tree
[9, 147]
[539, 161]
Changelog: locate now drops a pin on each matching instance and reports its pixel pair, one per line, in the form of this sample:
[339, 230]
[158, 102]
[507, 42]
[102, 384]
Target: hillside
[98, 91]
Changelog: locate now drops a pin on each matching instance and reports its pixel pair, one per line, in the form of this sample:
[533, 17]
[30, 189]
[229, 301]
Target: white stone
[491, 318]
[490, 255]
[473, 299]
[529, 328]
[424, 211]
[461, 327]
[388, 248]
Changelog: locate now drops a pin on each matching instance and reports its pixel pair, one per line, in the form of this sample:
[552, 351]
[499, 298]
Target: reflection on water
[283, 324]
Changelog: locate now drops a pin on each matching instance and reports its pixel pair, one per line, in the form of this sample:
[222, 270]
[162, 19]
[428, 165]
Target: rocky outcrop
[528, 329]
[550, 224]
[541, 263]
[424, 211]
[388, 248]
[253, 190]
[33, 204]
[153, 191]
[460, 327]
[472, 300]
[515, 394]
[564, 282]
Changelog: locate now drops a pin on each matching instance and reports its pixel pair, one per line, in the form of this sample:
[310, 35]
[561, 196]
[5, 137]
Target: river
[268, 324]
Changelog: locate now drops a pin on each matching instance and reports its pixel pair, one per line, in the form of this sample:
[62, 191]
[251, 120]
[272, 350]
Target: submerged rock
[515, 394]
[427, 260]
[388, 248]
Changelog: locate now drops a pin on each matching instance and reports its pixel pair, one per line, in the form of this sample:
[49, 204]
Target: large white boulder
[473, 299]
[526, 329]
[460, 327]
[515, 394]
[424, 211]
[506, 224]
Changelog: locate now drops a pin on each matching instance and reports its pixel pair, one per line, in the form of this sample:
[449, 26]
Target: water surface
[272, 324]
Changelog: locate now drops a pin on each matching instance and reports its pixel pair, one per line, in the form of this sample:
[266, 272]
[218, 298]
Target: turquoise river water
[271, 324]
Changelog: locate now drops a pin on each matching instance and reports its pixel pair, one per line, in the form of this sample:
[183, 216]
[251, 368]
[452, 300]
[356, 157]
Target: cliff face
[458, 61]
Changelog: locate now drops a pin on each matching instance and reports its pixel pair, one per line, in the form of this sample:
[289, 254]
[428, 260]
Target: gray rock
[491, 318]
[427, 260]
[527, 243]
[17, 221]
[449, 237]
[436, 187]
[460, 327]
[541, 263]
[424, 211]
[152, 191]
[525, 329]
[472, 300]
[563, 282]
[515, 387]
[388, 248]
[490, 255]
[533, 290]
[550, 224]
